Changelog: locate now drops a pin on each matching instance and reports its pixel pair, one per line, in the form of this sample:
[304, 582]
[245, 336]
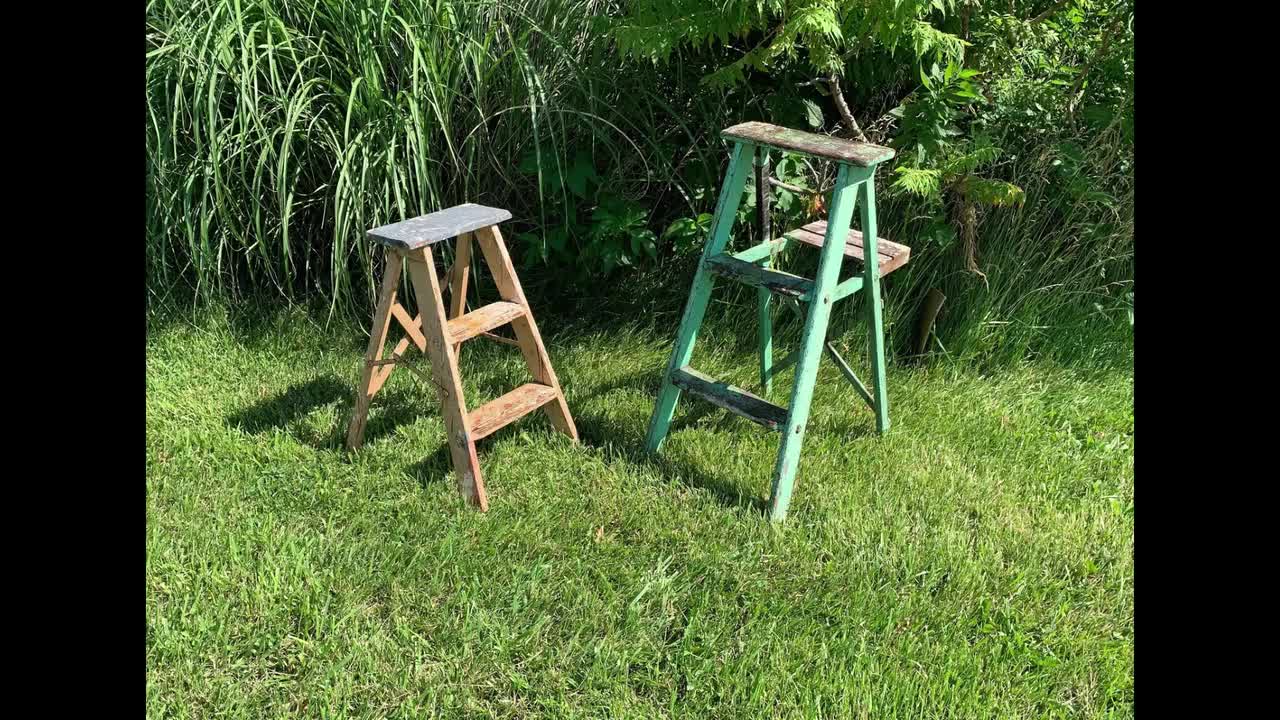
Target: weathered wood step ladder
[440, 335]
[855, 180]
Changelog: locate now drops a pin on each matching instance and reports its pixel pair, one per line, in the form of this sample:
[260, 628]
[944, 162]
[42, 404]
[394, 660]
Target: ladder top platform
[824, 146]
[442, 225]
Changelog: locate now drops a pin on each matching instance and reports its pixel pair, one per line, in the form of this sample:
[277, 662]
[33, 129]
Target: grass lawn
[977, 562]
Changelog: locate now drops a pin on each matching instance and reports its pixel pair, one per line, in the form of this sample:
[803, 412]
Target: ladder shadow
[622, 441]
[284, 411]
[727, 493]
[434, 468]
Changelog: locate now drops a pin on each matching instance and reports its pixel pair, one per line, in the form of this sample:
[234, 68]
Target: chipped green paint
[734, 399]
[875, 318]
[849, 375]
[843, 198]
[782, 283]
[835, 356]
[764, 324]
[763, 251]
[781, 366]
[848, 287]
[854, 186]
[842, 151]
[699, 295]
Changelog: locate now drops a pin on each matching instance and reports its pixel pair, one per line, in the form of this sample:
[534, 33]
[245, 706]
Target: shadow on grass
[390, 410]
[621, 438]
[435, 468]
[284, 410]
[624, 441]
[290, 405]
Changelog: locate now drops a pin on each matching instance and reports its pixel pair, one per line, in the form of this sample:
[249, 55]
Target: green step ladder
[855, 181]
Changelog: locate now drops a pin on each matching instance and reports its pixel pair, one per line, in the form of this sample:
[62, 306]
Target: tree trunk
[928, 317]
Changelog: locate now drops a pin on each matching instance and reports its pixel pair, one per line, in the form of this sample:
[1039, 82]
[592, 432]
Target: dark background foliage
[278, 132]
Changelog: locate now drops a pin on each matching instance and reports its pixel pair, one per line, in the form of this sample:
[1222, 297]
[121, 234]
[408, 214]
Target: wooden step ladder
[440, 336]
[855, 183]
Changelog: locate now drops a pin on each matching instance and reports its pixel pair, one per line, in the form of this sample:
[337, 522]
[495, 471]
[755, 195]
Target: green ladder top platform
[855, 181]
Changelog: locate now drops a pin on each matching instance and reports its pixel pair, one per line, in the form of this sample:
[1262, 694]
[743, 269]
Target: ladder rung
[494, 415]
[774, 280]
[734, 399]
[482, 320]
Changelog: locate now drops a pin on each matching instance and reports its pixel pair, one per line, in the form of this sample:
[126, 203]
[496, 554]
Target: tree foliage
[822, 34]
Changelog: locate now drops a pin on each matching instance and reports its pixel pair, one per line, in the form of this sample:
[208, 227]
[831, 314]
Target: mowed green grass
[977, 562]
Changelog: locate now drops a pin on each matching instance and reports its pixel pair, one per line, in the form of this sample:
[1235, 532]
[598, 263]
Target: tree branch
[851, 123]
[1048, 12]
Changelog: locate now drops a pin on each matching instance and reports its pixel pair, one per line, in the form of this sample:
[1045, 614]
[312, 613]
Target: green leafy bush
[277, 133]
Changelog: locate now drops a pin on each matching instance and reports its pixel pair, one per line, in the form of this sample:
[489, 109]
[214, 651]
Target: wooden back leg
[458, 280]
[526, 330]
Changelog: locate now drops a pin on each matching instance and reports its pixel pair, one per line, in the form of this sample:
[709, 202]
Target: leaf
[582, 172]
[924, 78]
[813, 113]
[918, 181]
[995, 193]
[558, 239]
[642, 243]
[680, 227]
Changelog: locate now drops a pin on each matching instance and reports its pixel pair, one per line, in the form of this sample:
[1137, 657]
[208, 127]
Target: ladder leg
[526, 330]
[766, 340]
[696, 306]
[843, 199]
[377, 338]
[458, 280]
[444, 371]
[764, 195]
[875, 316]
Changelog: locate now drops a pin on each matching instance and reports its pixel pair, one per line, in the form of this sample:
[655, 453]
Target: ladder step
[776, 281]
[734, 399]
[482, 320]
[889, 255]
[494, 415]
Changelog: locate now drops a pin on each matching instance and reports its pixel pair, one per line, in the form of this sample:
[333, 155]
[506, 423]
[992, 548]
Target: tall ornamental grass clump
[277, 132]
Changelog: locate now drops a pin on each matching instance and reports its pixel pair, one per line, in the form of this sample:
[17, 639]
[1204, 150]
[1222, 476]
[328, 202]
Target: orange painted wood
[384, 372]
[497, 414]
[482, 320]
[412, 326]
[500, 339]
[439, 337]
[412, 332]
